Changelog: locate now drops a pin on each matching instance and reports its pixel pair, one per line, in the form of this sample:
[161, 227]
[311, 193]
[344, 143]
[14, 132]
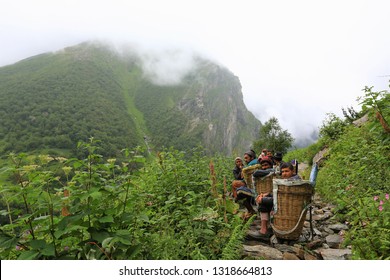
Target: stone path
[324, 244]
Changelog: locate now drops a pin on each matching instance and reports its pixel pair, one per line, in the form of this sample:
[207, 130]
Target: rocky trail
[323, 244]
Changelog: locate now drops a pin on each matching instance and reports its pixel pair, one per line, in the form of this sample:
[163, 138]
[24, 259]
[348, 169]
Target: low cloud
[164, 66]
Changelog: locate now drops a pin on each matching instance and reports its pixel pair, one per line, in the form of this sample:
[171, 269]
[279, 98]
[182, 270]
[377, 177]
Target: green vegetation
[54, 100]
[173, 206]
[105, 200]
[356, 176]
[91, 208]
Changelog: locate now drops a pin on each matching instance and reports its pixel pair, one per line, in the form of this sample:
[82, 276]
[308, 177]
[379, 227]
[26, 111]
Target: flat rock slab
[265, 252]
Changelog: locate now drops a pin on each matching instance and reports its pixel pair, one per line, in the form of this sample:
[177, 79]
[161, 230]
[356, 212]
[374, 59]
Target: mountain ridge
[53, 100]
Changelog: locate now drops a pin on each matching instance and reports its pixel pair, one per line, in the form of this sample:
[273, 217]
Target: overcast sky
[296, 60]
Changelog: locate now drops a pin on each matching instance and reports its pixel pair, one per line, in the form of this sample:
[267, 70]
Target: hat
[237, 158]
[278, 156]
[266, 159]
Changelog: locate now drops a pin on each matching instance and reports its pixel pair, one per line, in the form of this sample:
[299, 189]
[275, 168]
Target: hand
[259, 198]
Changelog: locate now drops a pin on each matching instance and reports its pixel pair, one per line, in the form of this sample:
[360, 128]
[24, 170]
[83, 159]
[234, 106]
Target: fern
[233, 247]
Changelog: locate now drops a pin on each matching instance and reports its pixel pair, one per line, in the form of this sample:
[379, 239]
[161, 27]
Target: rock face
[214, 101]
[361, 121]
[325, 243]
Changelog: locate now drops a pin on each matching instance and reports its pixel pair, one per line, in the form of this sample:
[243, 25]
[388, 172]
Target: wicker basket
[291, 201]
[247, 172]
[264, 184]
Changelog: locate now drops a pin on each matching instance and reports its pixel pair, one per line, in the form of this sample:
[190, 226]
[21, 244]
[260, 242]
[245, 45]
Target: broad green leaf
[96, 195]
[7, 242]
[48, 250]
[106, 219]
[123, 233]
[143, 217]
[29, 255]
[37, 244]
[100, 236]
[124, 240]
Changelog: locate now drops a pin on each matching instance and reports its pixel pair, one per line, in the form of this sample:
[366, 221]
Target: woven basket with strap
[291, 201]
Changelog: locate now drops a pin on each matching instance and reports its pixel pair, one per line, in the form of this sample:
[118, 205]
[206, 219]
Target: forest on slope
[52, 101]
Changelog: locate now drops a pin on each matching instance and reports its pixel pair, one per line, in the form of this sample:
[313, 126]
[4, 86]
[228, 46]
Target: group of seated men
[243, 189]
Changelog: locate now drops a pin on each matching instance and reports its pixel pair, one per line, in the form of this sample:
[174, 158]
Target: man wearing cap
[238, 178]
[278, 161]
[246, 192]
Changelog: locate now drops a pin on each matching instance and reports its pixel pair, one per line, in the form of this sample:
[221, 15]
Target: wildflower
[30, 167]
[376, 197]
[380, 208]
[45, 158]
[61, 159]
[17, 248]
[381, 202]
[111, 160]
[66, 170]
[387, 196]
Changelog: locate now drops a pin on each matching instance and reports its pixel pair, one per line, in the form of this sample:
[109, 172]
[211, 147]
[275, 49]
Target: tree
[332, 127]
[273, 137]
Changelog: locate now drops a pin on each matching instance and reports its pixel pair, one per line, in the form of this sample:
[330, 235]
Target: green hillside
[53, 100]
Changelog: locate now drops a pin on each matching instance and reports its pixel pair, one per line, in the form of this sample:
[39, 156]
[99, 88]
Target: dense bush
[96, 208]
[356, 177]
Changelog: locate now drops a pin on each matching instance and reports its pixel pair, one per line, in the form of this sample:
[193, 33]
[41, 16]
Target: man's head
[266, 163]
[287, 170]
[278, 156]
[249, 156]
[238, 161]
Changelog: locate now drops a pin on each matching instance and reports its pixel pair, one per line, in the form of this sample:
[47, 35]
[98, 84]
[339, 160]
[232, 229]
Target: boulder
[334, 241]
[335, 254]
[262, 251]
[338, 227]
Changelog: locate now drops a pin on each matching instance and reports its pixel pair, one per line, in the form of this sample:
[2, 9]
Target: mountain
[53, 100]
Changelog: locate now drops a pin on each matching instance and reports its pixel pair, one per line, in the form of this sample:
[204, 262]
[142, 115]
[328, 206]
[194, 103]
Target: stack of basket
[291, 201]
[264, 185]
[247, 172]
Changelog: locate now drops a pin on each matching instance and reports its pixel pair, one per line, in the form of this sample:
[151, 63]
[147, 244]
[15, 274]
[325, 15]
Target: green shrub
[130, 209]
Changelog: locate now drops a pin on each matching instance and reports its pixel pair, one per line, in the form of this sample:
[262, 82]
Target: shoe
[255, 234]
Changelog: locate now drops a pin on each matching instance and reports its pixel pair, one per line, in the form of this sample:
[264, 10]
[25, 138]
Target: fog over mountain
[296, 60]
[53, 100]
